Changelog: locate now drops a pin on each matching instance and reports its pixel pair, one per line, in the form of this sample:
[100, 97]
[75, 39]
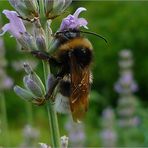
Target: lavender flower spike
[73, 22]
[15, 27]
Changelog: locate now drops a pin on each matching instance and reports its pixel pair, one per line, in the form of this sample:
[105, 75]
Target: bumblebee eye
[69, 34]
[58, 34]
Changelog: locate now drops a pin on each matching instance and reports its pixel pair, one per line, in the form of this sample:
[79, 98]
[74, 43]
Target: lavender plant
[40, 14]
[126, 86]
[108, 133]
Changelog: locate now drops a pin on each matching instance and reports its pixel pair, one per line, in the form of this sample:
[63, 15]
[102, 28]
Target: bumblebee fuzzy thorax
[76, 42]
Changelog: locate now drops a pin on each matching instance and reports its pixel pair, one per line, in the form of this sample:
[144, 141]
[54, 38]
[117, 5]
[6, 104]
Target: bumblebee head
[62, 37]
[67, 35]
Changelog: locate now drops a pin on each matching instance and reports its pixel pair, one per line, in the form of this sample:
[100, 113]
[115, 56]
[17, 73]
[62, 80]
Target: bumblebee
[73, 58]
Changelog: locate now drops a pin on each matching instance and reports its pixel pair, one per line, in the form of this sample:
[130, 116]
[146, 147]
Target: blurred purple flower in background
[76, 133]
[8, 82]
[108, 133]
[126, 86]
[126, 83]
[30, 135]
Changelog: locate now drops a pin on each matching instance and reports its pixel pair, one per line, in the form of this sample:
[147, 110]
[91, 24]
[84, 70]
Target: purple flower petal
[78, 11]
[82, 22]
[16, 27]
[73, 22]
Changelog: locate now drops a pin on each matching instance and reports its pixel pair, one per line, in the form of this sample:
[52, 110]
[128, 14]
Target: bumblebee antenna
[87, 32]
[93, 33]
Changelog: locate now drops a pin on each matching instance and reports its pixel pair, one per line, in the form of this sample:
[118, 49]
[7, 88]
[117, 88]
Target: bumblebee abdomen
[83, 56]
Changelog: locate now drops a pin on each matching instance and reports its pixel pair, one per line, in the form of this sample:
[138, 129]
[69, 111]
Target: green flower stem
[42, 12]
[4, 121]
[42, 9]
[54, 128]
[53, 121]
[46, 70]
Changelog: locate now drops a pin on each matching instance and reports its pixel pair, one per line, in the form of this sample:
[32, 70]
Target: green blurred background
[125, 25]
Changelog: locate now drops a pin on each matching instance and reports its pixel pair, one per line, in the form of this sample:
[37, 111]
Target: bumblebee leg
[52, 87]
[44, 56]
[40, 55]
[54, 83]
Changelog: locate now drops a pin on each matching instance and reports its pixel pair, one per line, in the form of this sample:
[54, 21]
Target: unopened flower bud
[50, 81]
[38, 81]
[32, 6]
[54, 8]
[33, 76]
[44, 145]
[64, 142]
[27, 42]
[48, 6]
[27, 68]
[40, 41]
[39, 36]
[27, 8]
[33, 87]
[23, 93]
[19, 6]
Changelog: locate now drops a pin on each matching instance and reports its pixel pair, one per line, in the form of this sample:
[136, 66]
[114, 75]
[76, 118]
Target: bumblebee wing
[80, 87]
